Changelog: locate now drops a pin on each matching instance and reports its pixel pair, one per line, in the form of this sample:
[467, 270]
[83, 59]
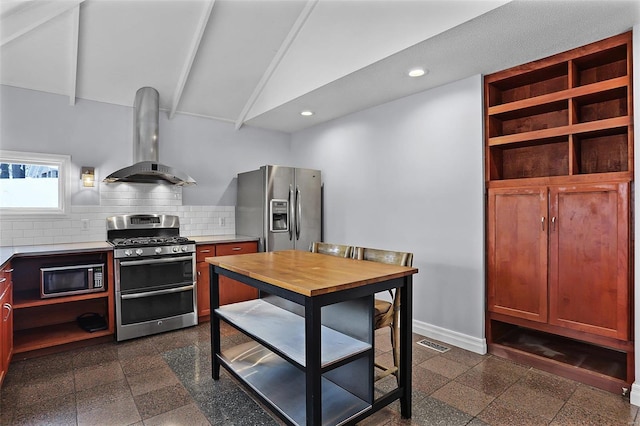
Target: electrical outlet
[221, 221]
[85, 224]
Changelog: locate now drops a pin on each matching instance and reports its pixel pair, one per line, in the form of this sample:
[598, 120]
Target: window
[33, 184]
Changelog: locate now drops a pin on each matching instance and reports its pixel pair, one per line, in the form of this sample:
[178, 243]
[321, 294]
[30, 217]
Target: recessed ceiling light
[417, 72]
[306, 113]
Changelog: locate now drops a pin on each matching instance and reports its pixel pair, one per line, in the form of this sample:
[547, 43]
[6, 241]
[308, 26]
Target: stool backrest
[339, 250]
[384, 256]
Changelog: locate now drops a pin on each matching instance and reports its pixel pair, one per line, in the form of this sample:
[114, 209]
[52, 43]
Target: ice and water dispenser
[279, 216]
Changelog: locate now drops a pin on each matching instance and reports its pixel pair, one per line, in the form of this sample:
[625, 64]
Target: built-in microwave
[70, 280]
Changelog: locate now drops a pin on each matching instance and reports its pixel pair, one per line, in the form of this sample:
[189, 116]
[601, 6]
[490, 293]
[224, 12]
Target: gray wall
[100, 135]
[408, 175]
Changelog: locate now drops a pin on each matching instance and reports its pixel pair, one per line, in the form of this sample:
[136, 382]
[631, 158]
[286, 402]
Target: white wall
[101, 135]
[408, 175]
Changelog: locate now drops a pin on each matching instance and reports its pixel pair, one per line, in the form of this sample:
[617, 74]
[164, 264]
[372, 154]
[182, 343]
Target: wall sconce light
[88, 177]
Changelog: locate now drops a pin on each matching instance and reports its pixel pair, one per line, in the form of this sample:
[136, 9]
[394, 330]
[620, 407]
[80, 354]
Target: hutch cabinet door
[517, 252]
[589, 258]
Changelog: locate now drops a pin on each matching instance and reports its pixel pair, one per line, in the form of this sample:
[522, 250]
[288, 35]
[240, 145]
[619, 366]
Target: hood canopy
[146, 168]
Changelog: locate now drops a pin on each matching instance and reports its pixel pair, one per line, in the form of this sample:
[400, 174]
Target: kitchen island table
[309, 351]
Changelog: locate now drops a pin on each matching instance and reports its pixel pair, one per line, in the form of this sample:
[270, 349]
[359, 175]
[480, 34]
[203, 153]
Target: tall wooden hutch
[559, 174]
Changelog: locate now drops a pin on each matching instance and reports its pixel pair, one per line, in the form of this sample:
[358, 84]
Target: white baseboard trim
[464, 341]
[635, 394]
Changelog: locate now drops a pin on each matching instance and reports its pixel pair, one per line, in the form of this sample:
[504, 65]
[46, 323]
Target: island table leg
[214, 300]
[313, 362]
[406, 314]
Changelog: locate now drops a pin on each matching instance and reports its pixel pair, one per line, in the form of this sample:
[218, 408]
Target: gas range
[154, 272]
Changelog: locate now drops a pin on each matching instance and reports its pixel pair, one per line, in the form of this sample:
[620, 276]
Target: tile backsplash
[88, 223]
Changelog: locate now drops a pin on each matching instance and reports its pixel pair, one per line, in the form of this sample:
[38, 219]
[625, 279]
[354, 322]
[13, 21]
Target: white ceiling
[260, 62]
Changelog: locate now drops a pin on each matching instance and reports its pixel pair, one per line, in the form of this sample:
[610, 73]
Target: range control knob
[175, 249]
[158, 250]
[184, 248]
[127, 252]
[139, 252]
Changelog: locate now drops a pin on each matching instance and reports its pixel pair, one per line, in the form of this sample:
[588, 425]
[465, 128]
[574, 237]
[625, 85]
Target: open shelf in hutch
[566, 115]
[557, 130]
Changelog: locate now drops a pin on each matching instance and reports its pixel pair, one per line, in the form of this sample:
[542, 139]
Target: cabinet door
[203, 293]
[202, 280]
[517, 252]
[589, 259]
[232, 291]
[3, 338]
[7, 325]
[6, 331]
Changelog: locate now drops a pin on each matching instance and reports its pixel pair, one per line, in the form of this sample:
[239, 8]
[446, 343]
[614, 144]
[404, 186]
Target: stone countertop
[218, 239]
[6, 253]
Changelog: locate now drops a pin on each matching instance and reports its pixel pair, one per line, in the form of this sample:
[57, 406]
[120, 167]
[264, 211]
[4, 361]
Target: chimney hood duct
[146, 168]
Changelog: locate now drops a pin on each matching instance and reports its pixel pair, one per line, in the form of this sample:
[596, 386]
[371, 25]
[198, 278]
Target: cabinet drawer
[204, 251]
[236, 248]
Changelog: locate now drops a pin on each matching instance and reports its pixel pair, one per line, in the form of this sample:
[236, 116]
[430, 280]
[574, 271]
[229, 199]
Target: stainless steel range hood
[146, 168]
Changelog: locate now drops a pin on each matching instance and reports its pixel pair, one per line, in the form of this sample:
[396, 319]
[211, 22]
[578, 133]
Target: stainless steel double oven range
[154, 274]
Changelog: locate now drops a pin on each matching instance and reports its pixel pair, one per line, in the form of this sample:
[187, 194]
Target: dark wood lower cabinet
[231, 291]
[42, 326]
[558, 280]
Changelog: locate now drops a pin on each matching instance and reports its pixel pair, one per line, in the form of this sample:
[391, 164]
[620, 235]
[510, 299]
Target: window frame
[62, 162]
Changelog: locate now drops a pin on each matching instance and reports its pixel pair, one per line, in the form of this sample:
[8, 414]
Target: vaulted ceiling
[261, 62]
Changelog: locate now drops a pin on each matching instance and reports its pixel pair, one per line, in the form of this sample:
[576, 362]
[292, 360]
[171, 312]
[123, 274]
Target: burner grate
[149, 241]
[433, 345]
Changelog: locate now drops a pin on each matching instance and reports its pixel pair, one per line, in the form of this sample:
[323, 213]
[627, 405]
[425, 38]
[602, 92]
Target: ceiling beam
[195, 44]
[73, 55]
[282, 51]
[21, 20]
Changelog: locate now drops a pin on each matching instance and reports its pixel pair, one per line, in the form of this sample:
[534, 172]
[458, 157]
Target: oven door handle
[152, 261]
[157, 292]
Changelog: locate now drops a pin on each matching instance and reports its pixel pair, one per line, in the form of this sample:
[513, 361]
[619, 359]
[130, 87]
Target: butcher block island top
[310, 274]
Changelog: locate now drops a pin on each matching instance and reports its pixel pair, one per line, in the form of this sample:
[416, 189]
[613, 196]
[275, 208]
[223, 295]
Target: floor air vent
[432, 345]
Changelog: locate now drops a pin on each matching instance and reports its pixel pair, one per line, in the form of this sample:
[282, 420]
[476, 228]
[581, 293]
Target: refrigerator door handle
[291, 213]
[298, 213]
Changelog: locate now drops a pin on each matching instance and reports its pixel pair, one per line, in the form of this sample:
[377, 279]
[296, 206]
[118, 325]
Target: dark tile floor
[166, 380]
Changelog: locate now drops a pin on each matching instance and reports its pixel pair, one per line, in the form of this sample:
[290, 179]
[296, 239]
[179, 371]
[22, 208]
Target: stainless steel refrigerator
[281, 206]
